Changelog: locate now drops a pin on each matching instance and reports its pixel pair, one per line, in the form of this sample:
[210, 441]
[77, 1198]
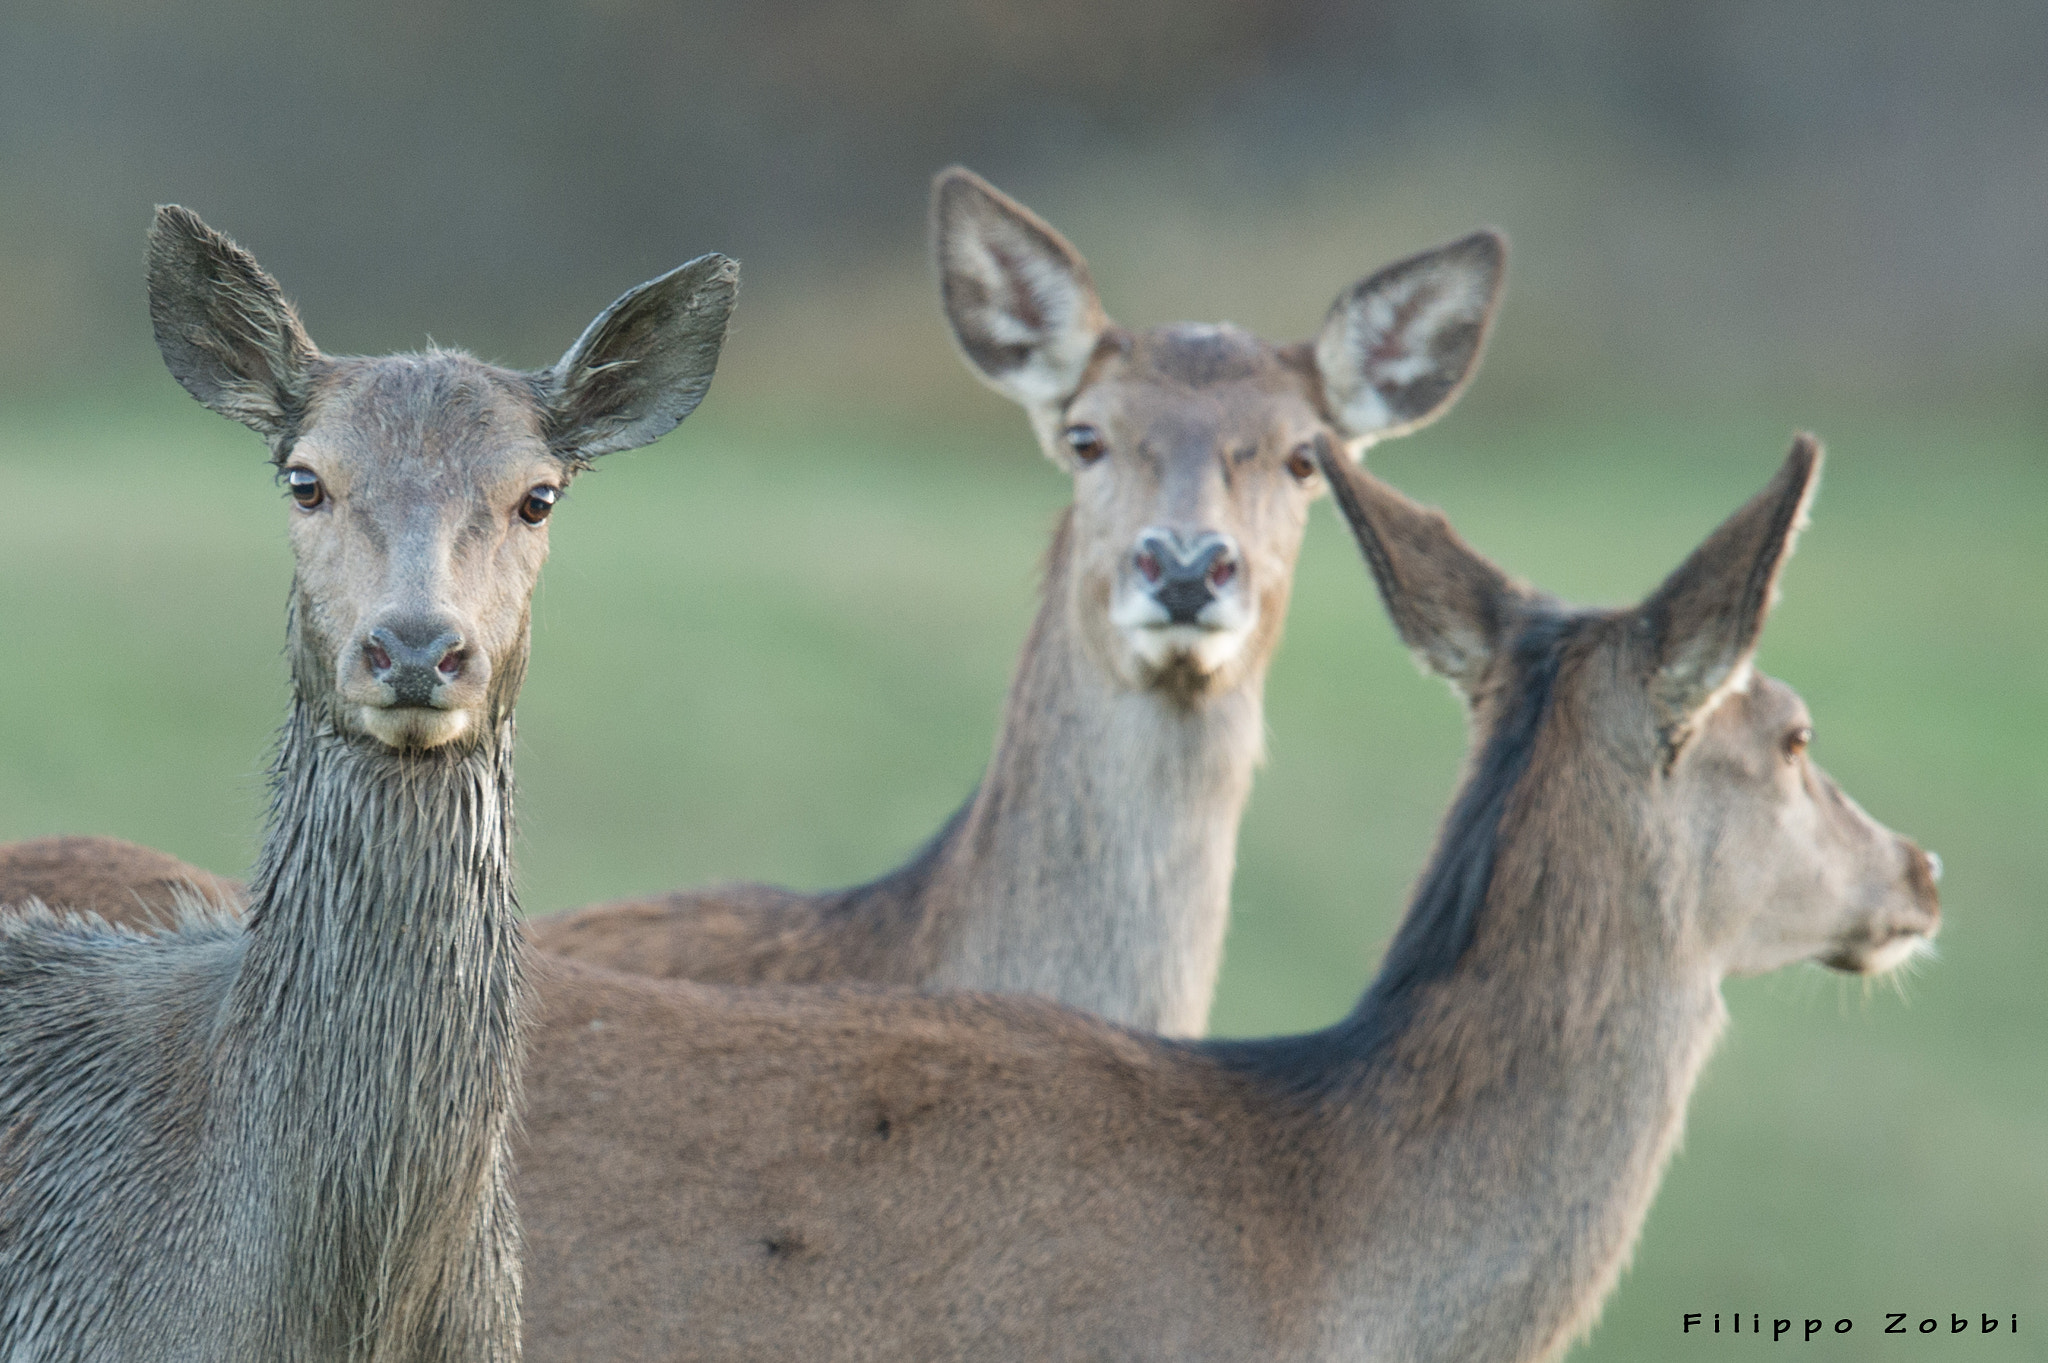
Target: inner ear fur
[1448, 602]
[1018, 297]
[644, 364]
[1706, 618]
[224, 328]
[1398, 347]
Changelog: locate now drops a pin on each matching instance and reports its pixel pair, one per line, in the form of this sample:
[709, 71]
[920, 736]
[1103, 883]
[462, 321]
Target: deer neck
[1531, 1098]
[1093, 865]
[376, 1019]
[1517, 1075]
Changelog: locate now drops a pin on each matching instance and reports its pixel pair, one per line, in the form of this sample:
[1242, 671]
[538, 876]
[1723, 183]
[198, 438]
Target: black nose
[1184, 575]
[413, 657]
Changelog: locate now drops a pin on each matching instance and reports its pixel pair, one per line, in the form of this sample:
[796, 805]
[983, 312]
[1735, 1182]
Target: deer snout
[415, 658]
[1901, 926]
[1185, 574]
[416, 681]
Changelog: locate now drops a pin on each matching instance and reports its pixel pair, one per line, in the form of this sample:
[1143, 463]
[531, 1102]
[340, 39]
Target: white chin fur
[412, 726]
[1895, 953]
[1226, 625]
[1210, 649]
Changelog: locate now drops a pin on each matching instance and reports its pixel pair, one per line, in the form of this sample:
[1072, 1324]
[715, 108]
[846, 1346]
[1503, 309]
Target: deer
[1456, 1170]
[286, 1133]
[1093, 863]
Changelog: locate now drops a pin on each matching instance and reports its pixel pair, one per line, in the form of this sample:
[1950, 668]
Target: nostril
[413, 670]
[1221, 572]
[1147, 564]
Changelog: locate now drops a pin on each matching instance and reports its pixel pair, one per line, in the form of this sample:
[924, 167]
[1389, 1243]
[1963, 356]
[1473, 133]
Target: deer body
[121, 882]
[1093, 865]
[990, 1177]
[1456, 1171]
[288, 1137]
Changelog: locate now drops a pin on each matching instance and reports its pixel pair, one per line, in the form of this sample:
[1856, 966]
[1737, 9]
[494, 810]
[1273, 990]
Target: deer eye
[1797, 740]
[540, 500]
[1301, 462]
[1086, 443]
[305, 487]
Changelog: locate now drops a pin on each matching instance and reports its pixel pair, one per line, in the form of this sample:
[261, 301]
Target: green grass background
[774, 647]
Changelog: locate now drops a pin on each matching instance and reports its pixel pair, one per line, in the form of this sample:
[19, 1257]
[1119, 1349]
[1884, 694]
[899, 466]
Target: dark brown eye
[1086, 443]
[540, 500]
[1302, 463]
[305, 487]
[1796, 742]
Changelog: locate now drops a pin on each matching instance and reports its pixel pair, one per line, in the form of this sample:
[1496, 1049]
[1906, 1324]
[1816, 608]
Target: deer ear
[224, 328]
[1451, 606]
[644, 364]
[1019, 298]
[1398, 347]
[1705, 620]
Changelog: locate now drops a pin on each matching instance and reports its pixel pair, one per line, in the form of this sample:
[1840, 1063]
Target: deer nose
[1923, 874]
[1185, 574]
[413, 657]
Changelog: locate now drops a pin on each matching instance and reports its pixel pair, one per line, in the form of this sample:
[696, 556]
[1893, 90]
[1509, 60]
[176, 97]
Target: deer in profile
[1093, 863]
[1454, 1171]
[286, 1135]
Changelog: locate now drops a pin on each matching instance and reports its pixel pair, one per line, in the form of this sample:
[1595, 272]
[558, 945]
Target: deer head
[421, 484]
[1686, 759]
[1191, 446]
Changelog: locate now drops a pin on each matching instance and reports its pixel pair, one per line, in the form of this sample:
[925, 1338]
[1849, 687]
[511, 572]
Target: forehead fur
[1764, 700]
[436, 403]
[1589, 655]
[1600, 681]
[1197, 355]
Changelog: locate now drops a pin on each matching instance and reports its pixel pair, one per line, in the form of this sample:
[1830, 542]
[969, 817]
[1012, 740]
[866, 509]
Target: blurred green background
[774, 646]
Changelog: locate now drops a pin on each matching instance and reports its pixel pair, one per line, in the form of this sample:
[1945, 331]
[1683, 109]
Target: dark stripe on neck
[1445, 912]
[1443, 917]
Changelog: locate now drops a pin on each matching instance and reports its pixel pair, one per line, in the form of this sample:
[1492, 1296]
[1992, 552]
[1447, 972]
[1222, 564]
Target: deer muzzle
[1903, 928]
[417, 680]
[1185, 575]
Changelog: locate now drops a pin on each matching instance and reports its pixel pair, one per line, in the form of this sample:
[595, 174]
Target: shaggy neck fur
[1094, 863]
[390, 914]
[287, 1142]
[1500, 1106]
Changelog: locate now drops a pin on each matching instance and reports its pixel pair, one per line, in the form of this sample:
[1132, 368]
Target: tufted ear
[644, 364]
[224, 328]
[1019, 298]
[1451, 605]
[1398, 347]
[1706, 618]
